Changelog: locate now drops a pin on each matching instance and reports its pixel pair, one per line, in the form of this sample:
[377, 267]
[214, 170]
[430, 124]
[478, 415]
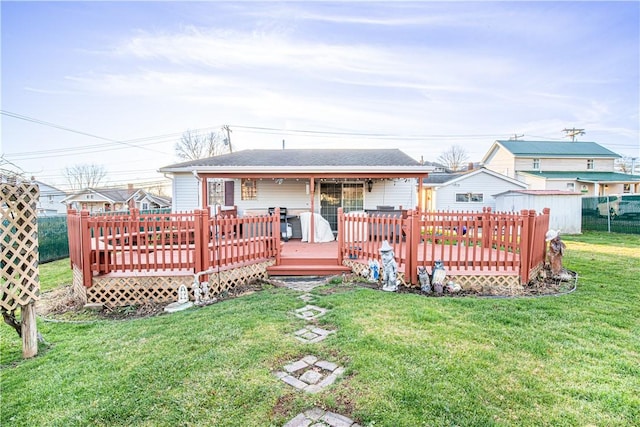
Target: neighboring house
[466, 191]
[50, 201]
[565, 206]
[114, 199]
[301, 180]
[584, 167]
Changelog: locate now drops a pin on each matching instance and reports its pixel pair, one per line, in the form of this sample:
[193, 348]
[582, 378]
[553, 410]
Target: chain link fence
[614, 213]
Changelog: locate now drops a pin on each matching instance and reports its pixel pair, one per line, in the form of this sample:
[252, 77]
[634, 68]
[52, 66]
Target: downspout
[203, 200]
[312, 192]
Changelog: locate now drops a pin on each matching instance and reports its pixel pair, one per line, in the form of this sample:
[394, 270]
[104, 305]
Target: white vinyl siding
[564, 164]
[481, 183]
[186, 193]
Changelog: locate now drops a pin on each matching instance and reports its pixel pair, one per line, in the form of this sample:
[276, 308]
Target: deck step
[307, 270]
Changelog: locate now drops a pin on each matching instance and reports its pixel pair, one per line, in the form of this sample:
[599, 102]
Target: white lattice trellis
[19, 239]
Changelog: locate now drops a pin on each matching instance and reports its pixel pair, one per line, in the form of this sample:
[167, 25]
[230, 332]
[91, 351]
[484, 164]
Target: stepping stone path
[310, 374]
[317, 417]
[307, 297]
[310, 334]
[310, 312]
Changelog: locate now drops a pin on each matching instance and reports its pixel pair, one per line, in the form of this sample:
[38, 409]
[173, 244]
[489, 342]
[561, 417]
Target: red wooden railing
[476, 241]
[167, 242]
[196, 242]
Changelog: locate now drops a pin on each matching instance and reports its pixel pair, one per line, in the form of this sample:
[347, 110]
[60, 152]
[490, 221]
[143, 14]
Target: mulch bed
[60, 304]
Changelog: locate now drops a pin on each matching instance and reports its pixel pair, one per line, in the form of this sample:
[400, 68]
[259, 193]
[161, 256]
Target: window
[469, 197]
[571, 186]
[626, 188]
[216, 192]
[249, 189]
[536, 164]
[590, 164]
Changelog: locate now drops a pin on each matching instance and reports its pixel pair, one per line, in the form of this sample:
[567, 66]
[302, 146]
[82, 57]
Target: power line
[67, 129]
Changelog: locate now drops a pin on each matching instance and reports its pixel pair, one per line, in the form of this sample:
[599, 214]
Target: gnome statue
[389, 268]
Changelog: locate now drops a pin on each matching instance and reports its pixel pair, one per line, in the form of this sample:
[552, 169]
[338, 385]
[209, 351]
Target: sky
[117, 83]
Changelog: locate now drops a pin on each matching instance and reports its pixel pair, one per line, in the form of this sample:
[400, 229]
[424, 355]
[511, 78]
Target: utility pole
[515, 137]
[228, 139]
[573, 133]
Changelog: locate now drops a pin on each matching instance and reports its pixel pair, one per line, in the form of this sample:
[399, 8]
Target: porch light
[369, 185]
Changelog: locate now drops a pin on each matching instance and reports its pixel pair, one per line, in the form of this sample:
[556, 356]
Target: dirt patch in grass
[63, 305]
[542, 285]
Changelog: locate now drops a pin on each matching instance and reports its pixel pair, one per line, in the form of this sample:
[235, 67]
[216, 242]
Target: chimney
[470, 166]
[283, 144]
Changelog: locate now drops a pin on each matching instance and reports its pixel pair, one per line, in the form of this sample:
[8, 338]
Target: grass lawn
[410, 360]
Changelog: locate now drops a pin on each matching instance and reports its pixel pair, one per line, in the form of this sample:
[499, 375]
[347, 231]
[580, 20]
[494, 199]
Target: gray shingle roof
[304, 157]
[557, 149]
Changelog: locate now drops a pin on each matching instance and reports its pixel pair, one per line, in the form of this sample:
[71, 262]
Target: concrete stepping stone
[311, 334]
[307, 297]
[310, 312]
[317, 417]
[310, 374]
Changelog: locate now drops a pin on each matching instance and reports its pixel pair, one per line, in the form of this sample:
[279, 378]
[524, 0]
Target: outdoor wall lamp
[370, 185]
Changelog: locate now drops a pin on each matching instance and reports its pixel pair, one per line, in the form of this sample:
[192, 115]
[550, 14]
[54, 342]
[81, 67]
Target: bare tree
[194, 146]
[84, 175]
[455, 158]
[625, 164]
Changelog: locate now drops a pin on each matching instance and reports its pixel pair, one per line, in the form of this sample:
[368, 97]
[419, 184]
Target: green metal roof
[557, 149]
[586, 176]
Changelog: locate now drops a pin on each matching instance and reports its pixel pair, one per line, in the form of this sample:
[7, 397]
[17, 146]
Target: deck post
[486, 227]
[341, 232]
[276, 233]
[85, 248]
[198, 240]
[412, 243]
[526, 240]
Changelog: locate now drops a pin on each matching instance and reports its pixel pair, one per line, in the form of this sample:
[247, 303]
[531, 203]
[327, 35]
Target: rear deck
[140, 257]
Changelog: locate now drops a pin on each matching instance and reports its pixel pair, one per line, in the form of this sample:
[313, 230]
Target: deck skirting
[485, 281]
[118, 290]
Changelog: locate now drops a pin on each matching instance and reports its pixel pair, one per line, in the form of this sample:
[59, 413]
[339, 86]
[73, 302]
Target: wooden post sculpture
[556, 251]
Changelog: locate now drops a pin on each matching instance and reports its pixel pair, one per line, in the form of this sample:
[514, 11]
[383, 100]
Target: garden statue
[205, 291]
[197, 292]
[183, 301]
[374, 268]
[389, 268]
[423, 276]
[183, 294]
[439, 275]
[452, 287]
[556, 251]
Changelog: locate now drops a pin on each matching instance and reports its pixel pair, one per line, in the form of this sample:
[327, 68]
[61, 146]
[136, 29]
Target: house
[565, 206]
[466, 191]
[50, 201]
[300, 180]
[586, 167]
[114, 199]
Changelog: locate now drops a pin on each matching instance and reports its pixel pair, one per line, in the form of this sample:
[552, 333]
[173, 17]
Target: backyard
[409, 359]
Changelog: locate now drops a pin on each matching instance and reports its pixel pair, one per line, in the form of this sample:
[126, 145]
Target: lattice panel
[79, 291]
[19, 240]
[490, 285]
[120, 291]
[114, 292]
[229, 279]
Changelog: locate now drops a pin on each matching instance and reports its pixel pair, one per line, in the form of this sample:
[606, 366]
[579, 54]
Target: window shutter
[228, 193]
